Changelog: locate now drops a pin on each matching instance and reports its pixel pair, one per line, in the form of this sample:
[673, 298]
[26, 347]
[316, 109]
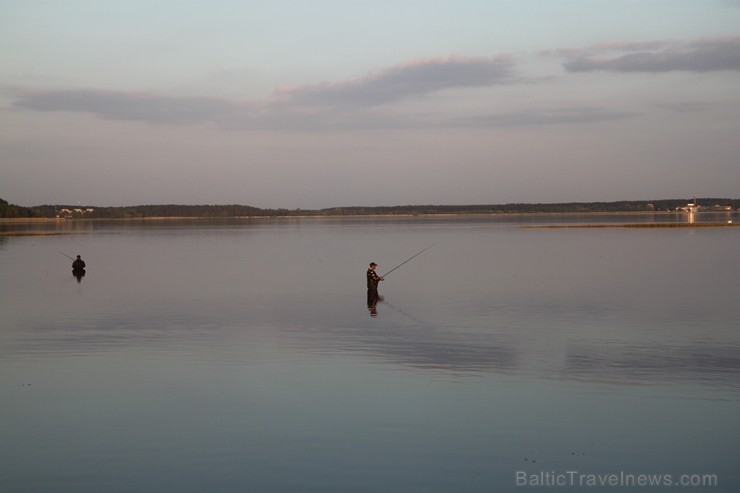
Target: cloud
[605, 46]
[366, 102]
[112, 105]
[412, 79]
[158, 109]
[704, 55]
[330, 104]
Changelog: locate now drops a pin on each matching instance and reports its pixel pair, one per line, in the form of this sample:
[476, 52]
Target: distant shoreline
[21, 220]
[43, 220]
[38, 233]
[233, 211]
[10, 220]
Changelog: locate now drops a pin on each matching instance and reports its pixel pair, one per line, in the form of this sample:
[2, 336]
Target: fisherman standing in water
[78, 268]
[78, 264]
[372, 285]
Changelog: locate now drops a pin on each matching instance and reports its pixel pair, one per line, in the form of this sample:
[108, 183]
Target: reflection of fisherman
[78, 264]
[372, 285]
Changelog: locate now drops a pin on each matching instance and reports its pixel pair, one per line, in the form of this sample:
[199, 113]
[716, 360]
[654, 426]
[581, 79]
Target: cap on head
[373, 264]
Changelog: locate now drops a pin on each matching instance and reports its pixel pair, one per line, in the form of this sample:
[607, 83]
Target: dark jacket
[372, 279]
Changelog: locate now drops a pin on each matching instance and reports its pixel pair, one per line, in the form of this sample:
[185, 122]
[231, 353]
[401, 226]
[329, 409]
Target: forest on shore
[8, 210]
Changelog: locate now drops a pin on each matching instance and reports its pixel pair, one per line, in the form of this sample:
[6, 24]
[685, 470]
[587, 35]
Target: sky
[327, 103]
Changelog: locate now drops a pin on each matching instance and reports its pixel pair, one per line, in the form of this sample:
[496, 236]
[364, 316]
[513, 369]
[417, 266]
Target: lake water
[241, 356]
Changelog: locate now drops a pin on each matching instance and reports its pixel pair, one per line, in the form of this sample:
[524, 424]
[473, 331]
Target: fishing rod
[408, 259]
[61, 253]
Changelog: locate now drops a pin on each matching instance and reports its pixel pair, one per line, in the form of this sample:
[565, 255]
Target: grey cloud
[405, 81]
[283, 115]
[350, 104]
[112, 105]
[698, 56]
[316, 106]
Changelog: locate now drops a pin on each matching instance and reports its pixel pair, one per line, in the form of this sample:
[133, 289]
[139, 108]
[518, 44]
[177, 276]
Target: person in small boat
[372, 285]
[78, 264]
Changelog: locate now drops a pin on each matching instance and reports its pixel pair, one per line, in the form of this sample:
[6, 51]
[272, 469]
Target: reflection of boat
[78, 273]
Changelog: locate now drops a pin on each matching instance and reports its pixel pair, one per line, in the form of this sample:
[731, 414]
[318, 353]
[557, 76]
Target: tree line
[8, 210]
[16, 211]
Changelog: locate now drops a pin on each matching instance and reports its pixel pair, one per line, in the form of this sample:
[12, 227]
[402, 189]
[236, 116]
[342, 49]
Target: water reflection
[372, 302]
[428, 349]
[529, 346]
[79, 274]
[410, 340]
[699, 364]
[64, 226]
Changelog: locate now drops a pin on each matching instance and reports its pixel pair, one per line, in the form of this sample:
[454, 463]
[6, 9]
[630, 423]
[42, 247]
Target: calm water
[240, 356]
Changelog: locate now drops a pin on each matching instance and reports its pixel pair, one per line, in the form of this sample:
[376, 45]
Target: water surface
[240, 355]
